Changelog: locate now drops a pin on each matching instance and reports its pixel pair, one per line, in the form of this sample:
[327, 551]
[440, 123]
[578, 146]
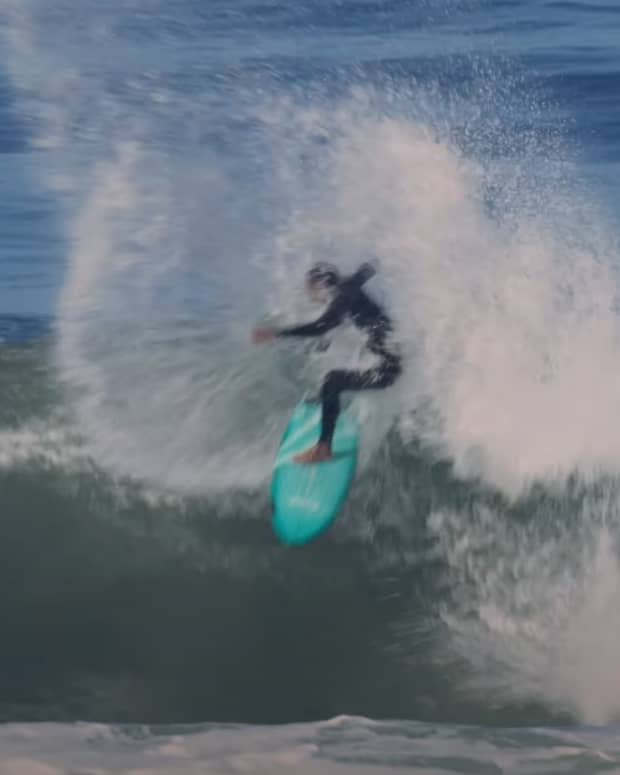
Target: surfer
[346, 299]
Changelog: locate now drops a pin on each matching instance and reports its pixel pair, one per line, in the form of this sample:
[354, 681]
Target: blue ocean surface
[171, 170]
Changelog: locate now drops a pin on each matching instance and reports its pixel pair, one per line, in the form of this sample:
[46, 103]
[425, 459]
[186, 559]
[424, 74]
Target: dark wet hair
[323, 274]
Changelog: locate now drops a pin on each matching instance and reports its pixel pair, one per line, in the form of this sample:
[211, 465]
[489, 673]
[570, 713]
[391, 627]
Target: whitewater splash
[531, 603]
[505, 327]
[500, 274]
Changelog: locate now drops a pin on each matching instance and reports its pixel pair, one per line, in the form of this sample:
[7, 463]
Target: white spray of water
[535, 612]
[510, 331]
[158, 391]
[586, 673]
[507, 325]
[506, 321]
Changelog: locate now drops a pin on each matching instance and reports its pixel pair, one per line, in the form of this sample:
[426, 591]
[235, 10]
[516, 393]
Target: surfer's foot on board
[319, 454]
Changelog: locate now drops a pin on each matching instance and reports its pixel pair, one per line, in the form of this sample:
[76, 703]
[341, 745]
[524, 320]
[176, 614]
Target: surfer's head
[322, 280]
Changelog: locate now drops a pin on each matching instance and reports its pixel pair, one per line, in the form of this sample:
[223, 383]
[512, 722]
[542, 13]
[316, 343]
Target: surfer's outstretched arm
[331, 318]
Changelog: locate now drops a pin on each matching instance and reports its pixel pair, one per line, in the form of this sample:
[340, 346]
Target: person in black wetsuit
[347, 299]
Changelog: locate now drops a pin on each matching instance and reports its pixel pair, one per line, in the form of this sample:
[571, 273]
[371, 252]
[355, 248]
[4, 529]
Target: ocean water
[171, 169]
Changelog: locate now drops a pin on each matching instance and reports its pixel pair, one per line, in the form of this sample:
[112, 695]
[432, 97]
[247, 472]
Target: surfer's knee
[332, 384]
[391, 370]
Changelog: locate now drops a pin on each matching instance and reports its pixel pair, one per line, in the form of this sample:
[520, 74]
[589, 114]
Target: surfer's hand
[260, 335]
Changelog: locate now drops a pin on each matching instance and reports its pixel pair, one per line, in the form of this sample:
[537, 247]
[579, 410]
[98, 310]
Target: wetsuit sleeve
[331, 318]
[363, 274]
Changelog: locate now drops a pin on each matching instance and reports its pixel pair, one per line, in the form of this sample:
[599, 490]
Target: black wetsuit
[352, 302]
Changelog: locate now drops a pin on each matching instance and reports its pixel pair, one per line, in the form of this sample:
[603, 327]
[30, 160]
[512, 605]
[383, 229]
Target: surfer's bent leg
[382, 376]
[335, 382]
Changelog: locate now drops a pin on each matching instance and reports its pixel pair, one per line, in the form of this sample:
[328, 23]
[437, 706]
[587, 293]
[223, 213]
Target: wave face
[198, 161]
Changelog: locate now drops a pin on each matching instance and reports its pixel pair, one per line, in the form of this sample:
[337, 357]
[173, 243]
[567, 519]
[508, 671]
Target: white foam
[509, 326]
[44, 442]
[585, 672]
[23, 766]
[506, 322]
[307, 749]
[535, 612]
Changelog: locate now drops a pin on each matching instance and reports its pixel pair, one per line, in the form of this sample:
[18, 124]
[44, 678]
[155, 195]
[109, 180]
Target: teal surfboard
[308, 497]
